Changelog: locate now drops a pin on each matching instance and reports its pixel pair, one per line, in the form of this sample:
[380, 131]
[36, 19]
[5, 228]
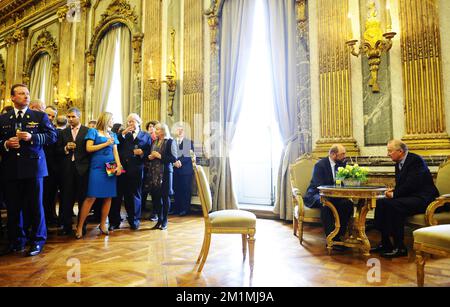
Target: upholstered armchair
[223, 221]
[431, 217]
[300, 173]
[433, 240]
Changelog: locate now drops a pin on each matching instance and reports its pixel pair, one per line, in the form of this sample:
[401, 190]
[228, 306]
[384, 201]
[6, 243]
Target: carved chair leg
[205, 251]
[200, 256]
[420, 263]
[244, 245]
[300, 232]
[295, 225]
[251, 250]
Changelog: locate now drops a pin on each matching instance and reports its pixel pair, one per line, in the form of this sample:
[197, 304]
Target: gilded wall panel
[421, 58]
[334, 74]
[151, 106]
[193, 70]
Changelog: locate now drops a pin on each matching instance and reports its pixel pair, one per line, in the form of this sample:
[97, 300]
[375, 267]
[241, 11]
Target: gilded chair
[433, 240]
[431, 217]
[223, 221]
[300, 173]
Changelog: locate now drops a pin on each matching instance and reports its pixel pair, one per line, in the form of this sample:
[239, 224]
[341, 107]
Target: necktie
[400, 165]
[19, 120]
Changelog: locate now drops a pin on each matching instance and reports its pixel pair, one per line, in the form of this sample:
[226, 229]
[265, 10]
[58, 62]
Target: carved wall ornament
[214, 14]
[302, 19]
[120, 8]
[16, 36]
[119, 11]
[45, 43]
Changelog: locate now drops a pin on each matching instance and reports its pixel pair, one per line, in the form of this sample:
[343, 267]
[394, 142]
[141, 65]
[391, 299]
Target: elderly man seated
[324, 173]
[414, 190]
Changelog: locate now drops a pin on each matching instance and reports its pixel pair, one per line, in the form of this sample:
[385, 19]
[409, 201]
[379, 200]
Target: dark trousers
[73, 190]
[390, 214]
[129, 190]
[23, 199]
[49, 198]
[344, 208]
[182, 186]
[161, 203]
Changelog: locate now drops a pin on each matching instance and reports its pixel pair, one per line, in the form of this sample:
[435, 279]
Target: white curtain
[104, 64]
[236, 30]
[128, 101]
[282, 37]
[42, 72]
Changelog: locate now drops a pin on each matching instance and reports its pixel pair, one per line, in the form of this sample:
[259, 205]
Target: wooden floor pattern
[167, 258]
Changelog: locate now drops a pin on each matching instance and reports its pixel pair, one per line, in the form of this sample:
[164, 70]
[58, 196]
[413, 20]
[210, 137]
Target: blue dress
[100, 184]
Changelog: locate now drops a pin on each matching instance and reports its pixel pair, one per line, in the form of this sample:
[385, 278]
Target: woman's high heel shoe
[105, 232]
[78, 236]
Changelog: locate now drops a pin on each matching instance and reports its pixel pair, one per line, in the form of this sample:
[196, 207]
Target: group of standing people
[86, 164]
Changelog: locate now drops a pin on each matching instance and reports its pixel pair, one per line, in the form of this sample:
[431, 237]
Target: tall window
[114, 104]
[257, 146]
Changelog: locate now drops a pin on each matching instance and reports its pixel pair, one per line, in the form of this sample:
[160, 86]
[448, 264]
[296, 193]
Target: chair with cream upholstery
[431, 217]
[223, 221]
[300, 173]
[433, 240]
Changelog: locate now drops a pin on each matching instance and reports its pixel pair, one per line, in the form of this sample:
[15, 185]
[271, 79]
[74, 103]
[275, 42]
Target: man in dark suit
[71, 148]
[182, 174]
[23, 134]
[324, 173]
[414, 190]
[134, 147]
[50, 182]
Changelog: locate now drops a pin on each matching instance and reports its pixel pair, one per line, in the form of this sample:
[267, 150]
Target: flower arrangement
[354, 173]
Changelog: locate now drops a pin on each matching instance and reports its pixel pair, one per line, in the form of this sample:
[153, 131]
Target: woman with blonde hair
[105, 166]
[163, 155]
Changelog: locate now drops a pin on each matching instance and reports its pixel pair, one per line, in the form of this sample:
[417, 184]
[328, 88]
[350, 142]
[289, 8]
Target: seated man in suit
[414, 190]
[324, 173]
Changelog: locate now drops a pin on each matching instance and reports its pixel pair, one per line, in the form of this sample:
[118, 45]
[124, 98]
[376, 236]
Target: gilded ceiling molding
[72, 7]
[214, 13]
[16, 36]
[45, 44]
[119, 11]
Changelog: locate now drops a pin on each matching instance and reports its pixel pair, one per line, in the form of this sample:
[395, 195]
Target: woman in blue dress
[102, 144]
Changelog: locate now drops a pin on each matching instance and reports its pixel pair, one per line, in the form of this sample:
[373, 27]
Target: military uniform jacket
[28, 161]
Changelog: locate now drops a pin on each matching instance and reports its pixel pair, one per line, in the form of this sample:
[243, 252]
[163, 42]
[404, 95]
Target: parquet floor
[167, 258]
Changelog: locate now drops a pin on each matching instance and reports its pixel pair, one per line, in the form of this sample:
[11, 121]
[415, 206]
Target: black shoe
[395, 253]
[157, 226]
[172, 213]
[113, 227]
[36, 249]
[380, 248]
[163, 227]
[183, 213]
[134, 226]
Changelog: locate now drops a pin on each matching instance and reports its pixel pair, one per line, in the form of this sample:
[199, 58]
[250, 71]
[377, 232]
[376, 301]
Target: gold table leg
[337, 224]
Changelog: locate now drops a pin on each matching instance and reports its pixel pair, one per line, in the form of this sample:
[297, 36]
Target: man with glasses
[414, 190]
[324, 173]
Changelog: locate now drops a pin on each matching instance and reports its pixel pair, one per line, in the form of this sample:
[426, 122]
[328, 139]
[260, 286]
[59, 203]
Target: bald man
[324, 173]
[414, 190]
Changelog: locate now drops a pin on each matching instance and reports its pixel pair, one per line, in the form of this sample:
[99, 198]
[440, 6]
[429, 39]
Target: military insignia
[11, 117]
[28, 116]
[32, 124]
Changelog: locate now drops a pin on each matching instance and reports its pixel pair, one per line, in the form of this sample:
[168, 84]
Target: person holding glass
[105, 166]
